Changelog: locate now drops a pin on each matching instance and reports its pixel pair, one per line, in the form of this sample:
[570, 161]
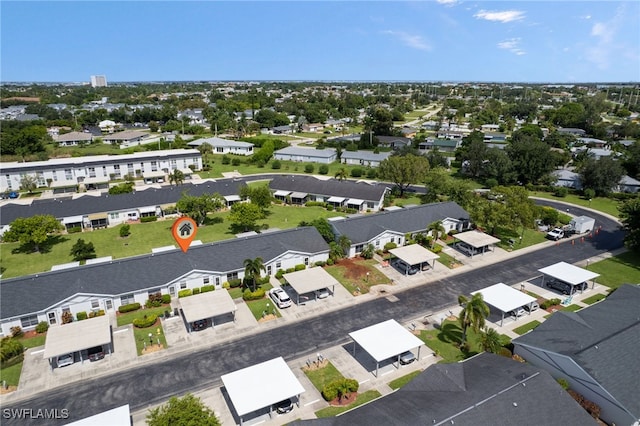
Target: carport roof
[476, 239]
[119, 416]
[76, 336]
[568, 273]
[385, 340]
[207, 305]
[309, 280]
[261, 385]
[413, 254]
[504, 297]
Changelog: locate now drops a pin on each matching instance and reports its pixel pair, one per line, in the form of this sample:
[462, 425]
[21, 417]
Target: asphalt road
[190, 372]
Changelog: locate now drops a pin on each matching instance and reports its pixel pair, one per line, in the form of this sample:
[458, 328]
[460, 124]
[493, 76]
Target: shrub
[356, 172]
[207, 288]
[329, 207]
[299, 267]
[236, 282]
[330, 262]
[195, 291]
[315, 204]
[16, 331]
[166, 299]
[253, 295]
[74, 230]
[390, 246]
[235, 162]
[42, 327]
[226, 285]
[129, 308]
[491, 182]
[145, 321]
[589, 193]
[563, 382]
[67, 317]
[226, 159]
[99, 313]
[82, 316]
[185, 293]
[505, 352]
[147, 219]
[154, 301]
[308, 168]
[125, 230]
[9, 348]
[437, 248]
[320, 263]
[323, 169]
[290, 270]
[560, 191]
[276, 165]
[279, 273]
[123, 188]
[332, 390]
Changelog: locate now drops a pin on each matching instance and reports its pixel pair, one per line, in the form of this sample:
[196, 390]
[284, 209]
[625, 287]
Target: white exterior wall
[560, 366]
[305, 158]
[379, 241]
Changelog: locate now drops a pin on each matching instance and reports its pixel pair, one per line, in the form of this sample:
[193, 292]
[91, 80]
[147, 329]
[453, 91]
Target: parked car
[323, 293]
[96, 353]
[64, 360]
[407, 358]
[517, 312]
[285, 406]
[405, 268]
[533, 307]
[280, 297]
[556, 234]
[562, 287]
[199, 325]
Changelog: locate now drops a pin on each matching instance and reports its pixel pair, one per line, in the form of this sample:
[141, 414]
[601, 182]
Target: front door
[53, 318]
[108, 304]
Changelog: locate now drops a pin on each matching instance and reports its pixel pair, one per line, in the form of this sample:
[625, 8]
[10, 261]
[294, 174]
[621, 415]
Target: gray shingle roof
[365, 155]
[310, 152]
[596, 336]
[361, 229]
[66, 207]
[35, 293]
[331, 187]
[484, 390]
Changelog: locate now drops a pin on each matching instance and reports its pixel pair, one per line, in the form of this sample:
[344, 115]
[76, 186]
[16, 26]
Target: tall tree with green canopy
[82, 250]
[186, 411]
[404, 170]
[177, 177]
[630, 217]
[532, 158]
[32, 230]
[252, 269]
[473, 152]
[436, 229]
[244, 216]
[198, 207]
[601, 175]
[490, 340]
[474, 314]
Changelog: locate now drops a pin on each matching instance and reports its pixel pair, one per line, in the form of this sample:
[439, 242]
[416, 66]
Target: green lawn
[593, 299]
[257, 307]
[128, 317]
[571, 308]
[617, 270]
[529, 237]
[144, 237]
[11, 374]
[375, 277]
[448, 260]
[34, 342]
[323, 376]
[532, 294]
[602, 204]
[363, 398]
[141, 336]
[401, 381]
[526, 327]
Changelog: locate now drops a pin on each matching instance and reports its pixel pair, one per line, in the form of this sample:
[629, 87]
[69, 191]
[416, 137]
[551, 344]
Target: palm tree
[177, 177]
[335, 251]
[437, 230]
[474, 313]
[341, 174]
[252, 268]
[345, 244]
[490, 340]
[205, 149]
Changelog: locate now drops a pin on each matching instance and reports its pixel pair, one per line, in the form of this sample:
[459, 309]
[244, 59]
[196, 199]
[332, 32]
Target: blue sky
[439, 40]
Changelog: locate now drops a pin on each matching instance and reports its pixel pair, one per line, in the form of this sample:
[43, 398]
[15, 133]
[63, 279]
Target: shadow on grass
[450, 333]
[44, 247]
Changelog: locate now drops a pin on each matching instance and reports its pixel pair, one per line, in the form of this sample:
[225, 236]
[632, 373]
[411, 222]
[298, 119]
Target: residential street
[153, 383]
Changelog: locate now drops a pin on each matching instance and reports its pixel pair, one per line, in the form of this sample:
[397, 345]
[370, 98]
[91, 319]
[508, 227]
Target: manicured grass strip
[572, 308]
[526, 327]
[11, 374]
[446, 259]
[141, 336]
[34, 342]
[532, 294]
[257, 307]
[322, 376]
[375, 277]
[401, 381]
[593, 299]
[605, 205]
[617, 270]
[235, 292]
[128, 317]
[445, 341]
[363, 398]
[529, 237]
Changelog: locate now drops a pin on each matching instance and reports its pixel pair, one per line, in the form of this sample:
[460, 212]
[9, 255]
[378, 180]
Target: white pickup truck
[556, 234]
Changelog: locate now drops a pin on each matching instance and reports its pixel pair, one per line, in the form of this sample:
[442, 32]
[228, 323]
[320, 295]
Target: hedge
[9, 348]
[437, 248]
[330, 391]
[129, 308]
[82, 316]
[196, 291]
[253, 295]
[185, 293]
[315, 204]
[94, 314]
[146, 321]
[74, 230]
[207, 288]
[300, 267]
[236, 282]
[551, 302]
[147, 219]
[166, 299]
[390, 246]
[42, 327]
[279, 273]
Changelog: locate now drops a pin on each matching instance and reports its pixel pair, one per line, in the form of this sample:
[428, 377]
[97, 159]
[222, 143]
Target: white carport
[261, 385]
[569, 274]
[385, 340]
[120, 416]
[230, 199]
[415, 254]
[505, 298]
[153, 175]
[310, 280]
[281, 193]
[76, 337]
[336, 200]
[207, 305]
[478, 240]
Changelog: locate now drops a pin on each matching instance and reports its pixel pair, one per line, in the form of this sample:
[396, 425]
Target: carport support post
[377, 364]
[502, 320]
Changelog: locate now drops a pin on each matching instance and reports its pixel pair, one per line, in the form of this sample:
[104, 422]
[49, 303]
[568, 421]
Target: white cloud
[411, 40]
[503, 16]
[512, 45]
[447, 2]
[605, 47]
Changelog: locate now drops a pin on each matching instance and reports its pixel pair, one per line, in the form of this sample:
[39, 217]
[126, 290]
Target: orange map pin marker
[184, 231]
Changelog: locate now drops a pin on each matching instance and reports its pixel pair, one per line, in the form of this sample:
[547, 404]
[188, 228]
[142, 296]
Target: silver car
[280, 297]
[64, 360]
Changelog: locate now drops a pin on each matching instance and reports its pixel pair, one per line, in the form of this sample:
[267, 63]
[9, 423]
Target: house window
[377, 243]
[278, 265]
[219, 149]
[30, 321]
[108, 304]
[172, 291]
[359, 248]
[174, 164]
[183, 285]
[154, 291]
[205, 280]
[393, 239]
[130, 168]
[269, 270]
[52, 318]
[54, 175]
[114, 215]
[306, 261]
[232, 276]
[104, 170]
[68, 175]
[217, 281]
[8, 181]
[127, 299]
[116, 171]
[95, 304]
[154, 166]
[40, 177]
[91, 171]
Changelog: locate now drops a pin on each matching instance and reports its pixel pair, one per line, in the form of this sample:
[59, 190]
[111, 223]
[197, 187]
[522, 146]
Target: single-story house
[282, 130]
[73, 138]
[443, 145]
[571, 131]
[307, 155]
[392, 226]
[567, 178]
[489, 128]
[225, 146]
[364, 158]
[628, 184]
[495, 137]
[127, 137]
[393, 142]
[298, 189]
[596, 350]
[593, 142]
[312, 127]
[30, 299]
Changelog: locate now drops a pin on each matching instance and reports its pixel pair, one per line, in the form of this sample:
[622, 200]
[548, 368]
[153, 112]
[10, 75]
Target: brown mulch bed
[345, 400]
[355, 270]
[9, 389]
[267, 318]
[553, 308]
[29, 334]
[152, 348]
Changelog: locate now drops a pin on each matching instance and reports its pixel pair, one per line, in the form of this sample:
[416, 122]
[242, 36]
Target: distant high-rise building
[98, 81]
